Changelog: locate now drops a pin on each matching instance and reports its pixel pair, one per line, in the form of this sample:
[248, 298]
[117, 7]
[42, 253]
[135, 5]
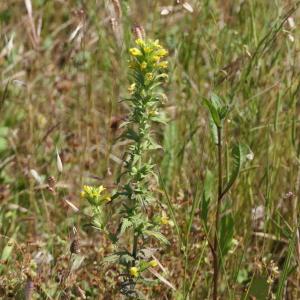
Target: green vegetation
[182, 186]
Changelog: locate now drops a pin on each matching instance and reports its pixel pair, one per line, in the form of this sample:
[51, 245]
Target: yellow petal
[135, 52]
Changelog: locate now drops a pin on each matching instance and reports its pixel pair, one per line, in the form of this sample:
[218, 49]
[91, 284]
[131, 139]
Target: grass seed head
[139, 32]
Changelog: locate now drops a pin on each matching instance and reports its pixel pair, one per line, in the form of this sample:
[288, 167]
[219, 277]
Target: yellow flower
[101, 188]
[153, 113]
[147, 49]
[153, 263]
[135, 52]
[164, 220]
[155, 58]
[140, 42]
[42, 121]
[157, 45]
[163, 64]
[164, 75]
[149, 76]
[107, 198]
[86, 190]
[131, 88]
[134, 271]
[161, 52]
[143, 65]
[94, 194]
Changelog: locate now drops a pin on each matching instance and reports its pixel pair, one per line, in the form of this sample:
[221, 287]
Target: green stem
[217, 219]
[135, 244]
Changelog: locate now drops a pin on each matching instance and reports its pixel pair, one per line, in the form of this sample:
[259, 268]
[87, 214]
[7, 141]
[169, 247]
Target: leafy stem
[217, 217]
[223, 226]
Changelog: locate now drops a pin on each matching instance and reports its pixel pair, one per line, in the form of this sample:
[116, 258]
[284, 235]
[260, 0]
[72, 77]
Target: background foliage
[63, 71]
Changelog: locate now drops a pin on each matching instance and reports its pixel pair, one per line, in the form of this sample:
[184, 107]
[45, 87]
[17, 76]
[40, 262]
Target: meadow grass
[64, 70]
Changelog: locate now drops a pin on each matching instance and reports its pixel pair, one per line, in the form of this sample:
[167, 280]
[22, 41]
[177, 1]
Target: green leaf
[213, 130]
[223, 112]
[125, 225]
[126, 259]
[287, 264]
[3, 144]
[207, 195]
[5, 15]
[111, 258]
[226, 233]
[160, 118]
[123, 257]
[213, 112]
[192, 213]
[3, 139]
[146, 253]
[153, 145]
[113, 237]
[130, 134]
[8, 249]
[216, 100]
[139, 219]
[242, 276]
[171, 148]
[238, 157]
[156, 234]
[3, 131]
[259, 288]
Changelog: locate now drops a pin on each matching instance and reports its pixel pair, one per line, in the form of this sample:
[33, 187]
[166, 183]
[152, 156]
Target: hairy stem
[217, 218]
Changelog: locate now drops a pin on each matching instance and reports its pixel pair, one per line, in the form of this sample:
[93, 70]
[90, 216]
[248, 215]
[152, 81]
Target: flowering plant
[134, 195]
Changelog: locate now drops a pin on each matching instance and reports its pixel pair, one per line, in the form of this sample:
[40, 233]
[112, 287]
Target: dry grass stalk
[33, 32]
[115, 15]
[117, 9]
